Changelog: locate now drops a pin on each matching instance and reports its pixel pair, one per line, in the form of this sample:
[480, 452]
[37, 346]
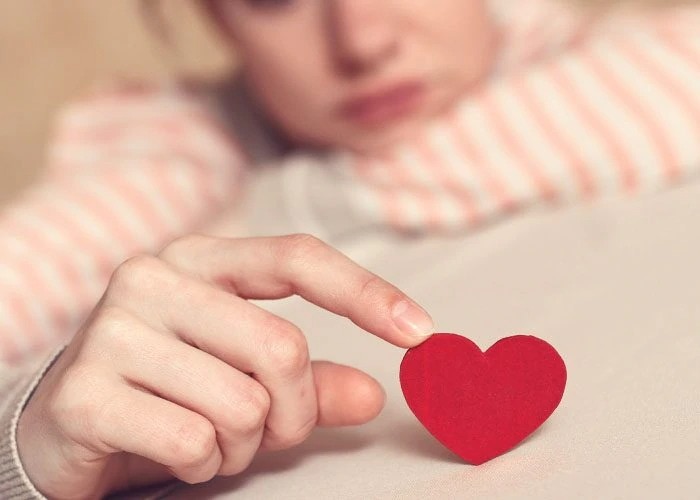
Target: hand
[175, 373]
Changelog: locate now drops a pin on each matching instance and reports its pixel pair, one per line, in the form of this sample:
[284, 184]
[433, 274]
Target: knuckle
[372, 287]
[133, 274]
[374, 290]
[251, 406]
[185, 245]
[286, 349]
[111, 327]
[192, 442]
[300, 434]
[300, 247]
[289, 439]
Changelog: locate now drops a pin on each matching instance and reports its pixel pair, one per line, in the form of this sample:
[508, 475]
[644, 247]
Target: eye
[270, 4]
[237, 9]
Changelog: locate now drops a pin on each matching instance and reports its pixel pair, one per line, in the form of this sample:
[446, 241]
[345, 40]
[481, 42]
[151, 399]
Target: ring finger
[232, 401]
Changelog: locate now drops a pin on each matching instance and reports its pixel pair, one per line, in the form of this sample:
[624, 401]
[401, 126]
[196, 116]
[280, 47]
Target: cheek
[464, 34]
[282, 57]
[290, 82]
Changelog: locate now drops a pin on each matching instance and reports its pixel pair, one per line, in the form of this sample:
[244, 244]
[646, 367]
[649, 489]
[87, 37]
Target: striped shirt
[578, 107]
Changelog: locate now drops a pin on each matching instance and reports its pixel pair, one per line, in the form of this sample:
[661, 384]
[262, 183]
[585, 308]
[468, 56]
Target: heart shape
[482, 404]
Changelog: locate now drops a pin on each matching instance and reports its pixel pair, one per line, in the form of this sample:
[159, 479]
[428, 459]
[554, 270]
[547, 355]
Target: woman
[422, 117]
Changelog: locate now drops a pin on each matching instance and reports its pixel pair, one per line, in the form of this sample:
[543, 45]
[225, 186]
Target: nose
[363, 32]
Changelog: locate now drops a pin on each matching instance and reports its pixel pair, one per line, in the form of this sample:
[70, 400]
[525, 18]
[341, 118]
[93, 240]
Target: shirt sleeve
[16, 385]
[129, 169]
[616, 112]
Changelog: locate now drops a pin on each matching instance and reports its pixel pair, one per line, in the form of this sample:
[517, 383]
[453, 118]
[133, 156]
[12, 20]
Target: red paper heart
[481, 404]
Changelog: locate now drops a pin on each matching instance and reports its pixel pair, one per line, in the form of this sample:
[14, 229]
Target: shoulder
[533, 30]
[140, 118]
[126, 103]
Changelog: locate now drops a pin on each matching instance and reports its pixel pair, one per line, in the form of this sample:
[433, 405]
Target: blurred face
[357, 73]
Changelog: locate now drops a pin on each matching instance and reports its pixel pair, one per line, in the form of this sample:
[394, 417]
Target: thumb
[346, 396]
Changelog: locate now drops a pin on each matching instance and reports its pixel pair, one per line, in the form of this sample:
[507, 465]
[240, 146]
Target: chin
[379, 139]
[361, 141]
[378, 143]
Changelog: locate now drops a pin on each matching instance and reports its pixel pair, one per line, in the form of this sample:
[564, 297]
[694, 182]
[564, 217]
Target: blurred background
[54, 50]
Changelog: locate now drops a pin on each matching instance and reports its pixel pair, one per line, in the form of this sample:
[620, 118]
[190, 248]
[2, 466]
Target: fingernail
[412, 319]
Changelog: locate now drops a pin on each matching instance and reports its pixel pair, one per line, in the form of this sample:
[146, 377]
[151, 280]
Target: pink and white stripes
[110, 192]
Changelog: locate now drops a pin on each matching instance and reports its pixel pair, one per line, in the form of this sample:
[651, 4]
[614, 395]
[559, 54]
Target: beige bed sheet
[615, 287]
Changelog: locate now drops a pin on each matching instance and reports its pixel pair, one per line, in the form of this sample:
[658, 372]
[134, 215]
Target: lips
[385, 105]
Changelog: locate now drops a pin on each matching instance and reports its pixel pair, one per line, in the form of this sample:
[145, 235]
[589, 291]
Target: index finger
[277, 267]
